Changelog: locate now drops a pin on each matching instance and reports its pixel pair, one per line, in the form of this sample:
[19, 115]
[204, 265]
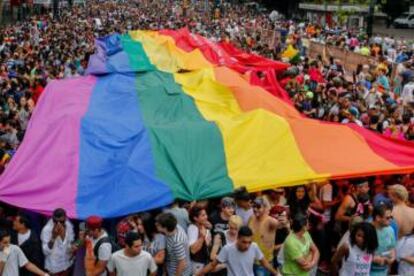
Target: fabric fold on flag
[167, 115]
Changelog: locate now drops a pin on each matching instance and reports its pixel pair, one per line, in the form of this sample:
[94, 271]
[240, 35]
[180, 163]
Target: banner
[350, 60]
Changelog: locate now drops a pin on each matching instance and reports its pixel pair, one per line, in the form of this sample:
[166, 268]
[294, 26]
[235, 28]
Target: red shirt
[37, 92]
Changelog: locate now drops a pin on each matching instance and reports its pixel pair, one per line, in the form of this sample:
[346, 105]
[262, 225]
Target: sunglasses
[389, 218]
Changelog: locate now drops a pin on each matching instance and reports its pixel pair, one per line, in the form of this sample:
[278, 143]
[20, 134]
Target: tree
[394, 8]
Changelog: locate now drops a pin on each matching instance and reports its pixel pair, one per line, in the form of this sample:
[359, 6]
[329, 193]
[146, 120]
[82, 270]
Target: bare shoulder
[271, 221]
[348, 200]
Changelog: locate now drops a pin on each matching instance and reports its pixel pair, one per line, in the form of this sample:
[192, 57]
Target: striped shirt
[178, 249]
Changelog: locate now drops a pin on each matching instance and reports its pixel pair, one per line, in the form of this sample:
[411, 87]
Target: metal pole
[370, 19]
[55, 8]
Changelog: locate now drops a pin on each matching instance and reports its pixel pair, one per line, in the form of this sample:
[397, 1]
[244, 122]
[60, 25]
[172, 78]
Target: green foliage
[394, 8]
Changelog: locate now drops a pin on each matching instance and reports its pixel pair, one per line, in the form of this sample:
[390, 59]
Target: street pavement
[397, 33]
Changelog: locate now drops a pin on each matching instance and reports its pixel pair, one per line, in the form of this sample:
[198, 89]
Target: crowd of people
[356, 227]
[375, 96]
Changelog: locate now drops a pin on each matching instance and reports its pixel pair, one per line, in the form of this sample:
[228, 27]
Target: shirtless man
[264, 231]
[403, 215]
[349, 206]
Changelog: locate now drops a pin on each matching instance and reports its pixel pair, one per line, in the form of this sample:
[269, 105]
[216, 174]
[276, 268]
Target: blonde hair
[265, 202]
[234, 219]
[400, 192]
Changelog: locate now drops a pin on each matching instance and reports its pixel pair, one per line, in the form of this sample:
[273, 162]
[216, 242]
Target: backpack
[114, 246]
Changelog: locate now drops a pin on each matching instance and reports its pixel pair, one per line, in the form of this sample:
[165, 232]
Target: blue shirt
[386, 242]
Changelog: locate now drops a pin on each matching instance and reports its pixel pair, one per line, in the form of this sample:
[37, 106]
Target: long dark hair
[296, 205]
[148, 222]
[370, 236]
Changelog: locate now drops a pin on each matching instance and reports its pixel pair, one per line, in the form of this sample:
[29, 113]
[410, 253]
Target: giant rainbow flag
[168, 114]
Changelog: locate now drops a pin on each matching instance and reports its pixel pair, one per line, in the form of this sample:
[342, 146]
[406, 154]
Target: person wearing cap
[276, 197]
[381, 192]
[349, 205]
[352, 115]
[128, 224]
[57, 237]
[385, 253]
[403, 214]
[243, 205]
[220, 220]
[264, 231]
[102, 247]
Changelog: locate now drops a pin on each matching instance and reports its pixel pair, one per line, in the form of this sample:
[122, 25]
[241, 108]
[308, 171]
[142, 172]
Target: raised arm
[340, 214]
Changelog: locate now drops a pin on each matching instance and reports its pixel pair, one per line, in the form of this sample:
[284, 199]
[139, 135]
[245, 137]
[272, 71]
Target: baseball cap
[241, 195]
[94, 222]
[354, 111]
[381, 200]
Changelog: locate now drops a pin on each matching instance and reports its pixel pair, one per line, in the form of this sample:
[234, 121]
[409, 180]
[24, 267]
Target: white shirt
[21, 238]
[193, 233]
[131, 266]
[14, 259]
[244, 214]
[356, 121]
[59, 258]
[407, 94]
[325, 194]
[357, 263]
[104, 250]
[405, 248]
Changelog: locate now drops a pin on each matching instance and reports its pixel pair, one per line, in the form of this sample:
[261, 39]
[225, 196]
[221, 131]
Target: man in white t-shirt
[132, 260]
[12, 258]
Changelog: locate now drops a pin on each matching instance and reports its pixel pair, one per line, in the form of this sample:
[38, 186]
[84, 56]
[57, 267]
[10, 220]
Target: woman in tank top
[356, 254]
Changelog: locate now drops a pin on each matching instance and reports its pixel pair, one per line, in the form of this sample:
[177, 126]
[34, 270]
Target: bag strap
[98, 244]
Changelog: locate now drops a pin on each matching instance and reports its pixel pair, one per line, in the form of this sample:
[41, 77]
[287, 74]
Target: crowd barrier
[350, 60]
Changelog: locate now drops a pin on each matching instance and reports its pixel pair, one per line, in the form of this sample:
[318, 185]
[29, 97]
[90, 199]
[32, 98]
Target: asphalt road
[397, 33]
